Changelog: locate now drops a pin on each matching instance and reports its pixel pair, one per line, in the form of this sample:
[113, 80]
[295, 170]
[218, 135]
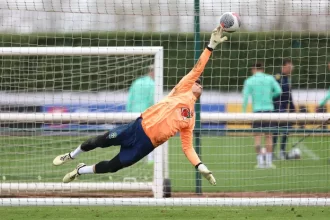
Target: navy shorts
[134, 143]
[263, 124]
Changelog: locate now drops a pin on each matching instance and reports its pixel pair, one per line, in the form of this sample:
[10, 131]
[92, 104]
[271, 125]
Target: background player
[175, 113]
[263, 88]
[321, 107]
[141, 92]
[283, 103]
[141, 96]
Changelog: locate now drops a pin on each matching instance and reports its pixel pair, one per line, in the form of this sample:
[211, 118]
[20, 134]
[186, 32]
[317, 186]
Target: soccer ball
[230, 22]
[295, 153]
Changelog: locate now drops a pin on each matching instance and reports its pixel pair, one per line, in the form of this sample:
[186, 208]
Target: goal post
[157, 52]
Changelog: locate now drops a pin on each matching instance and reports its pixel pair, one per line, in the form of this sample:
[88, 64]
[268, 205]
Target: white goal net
[36, 141]
[66, 69]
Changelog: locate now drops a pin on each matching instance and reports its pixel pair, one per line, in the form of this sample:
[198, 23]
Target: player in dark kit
[283, 103]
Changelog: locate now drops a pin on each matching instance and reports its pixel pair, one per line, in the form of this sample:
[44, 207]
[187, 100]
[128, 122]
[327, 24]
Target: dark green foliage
[226, 70]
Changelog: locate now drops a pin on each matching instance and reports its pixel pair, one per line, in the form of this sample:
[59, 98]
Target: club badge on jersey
[186, 113]
[113, 135]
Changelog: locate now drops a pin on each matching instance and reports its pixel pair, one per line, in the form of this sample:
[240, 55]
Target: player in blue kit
[282, 104]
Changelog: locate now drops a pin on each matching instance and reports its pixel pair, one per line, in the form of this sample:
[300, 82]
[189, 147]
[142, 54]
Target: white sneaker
[69, 177]
[61, 159]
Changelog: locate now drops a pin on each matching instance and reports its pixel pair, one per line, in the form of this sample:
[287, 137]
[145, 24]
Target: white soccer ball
[230, 22]
[295, 153]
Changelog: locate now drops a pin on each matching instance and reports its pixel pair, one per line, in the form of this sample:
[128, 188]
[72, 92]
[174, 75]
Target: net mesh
[270, 32]
[64, 84]
[71, 73]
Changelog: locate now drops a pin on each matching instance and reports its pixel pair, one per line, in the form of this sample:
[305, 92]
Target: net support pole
[158, 153]
[197, 133]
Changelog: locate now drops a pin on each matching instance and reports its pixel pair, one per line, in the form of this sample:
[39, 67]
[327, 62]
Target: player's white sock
[260, 159]
[76, 152]
[269, 158]
[86, 170]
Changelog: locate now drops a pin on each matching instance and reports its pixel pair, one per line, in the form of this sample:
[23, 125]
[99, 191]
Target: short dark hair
[258, 66]
[199, 81]
[286, 61]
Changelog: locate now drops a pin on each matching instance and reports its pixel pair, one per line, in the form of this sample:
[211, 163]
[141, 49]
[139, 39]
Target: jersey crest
[186, 113]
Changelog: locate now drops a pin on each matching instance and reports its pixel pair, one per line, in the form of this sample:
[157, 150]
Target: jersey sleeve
[246, 93]
[326, 98]
[187, 146]
[188, 80]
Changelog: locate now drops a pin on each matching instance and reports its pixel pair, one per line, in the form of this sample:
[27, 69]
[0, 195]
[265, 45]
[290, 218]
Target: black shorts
[263, 124]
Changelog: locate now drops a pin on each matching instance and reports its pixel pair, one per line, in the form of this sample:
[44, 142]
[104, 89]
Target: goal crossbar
[78, 51]
[52, 187]
[115, 117]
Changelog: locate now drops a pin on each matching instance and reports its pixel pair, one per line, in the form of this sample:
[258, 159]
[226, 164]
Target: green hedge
[226, 70]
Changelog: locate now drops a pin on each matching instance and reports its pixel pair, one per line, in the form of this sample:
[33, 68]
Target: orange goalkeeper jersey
[175, 113]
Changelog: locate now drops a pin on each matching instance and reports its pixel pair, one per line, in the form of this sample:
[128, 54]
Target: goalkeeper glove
[206, 173]
[216, 37]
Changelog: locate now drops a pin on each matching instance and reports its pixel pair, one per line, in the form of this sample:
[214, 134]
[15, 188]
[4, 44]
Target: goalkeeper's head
[197, 88]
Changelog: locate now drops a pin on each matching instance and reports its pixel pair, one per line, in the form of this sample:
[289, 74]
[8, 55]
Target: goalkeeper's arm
[188, 80]
[187, 147]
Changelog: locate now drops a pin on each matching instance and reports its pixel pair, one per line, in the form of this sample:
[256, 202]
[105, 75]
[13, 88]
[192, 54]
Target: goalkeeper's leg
[108, 139]
[135, 145]
[125, 158]
[111, 166]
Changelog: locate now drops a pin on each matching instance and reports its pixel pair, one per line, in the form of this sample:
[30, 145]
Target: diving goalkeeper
[175, 113]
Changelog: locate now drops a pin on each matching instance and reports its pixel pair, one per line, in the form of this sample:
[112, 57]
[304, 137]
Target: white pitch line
[307, 151]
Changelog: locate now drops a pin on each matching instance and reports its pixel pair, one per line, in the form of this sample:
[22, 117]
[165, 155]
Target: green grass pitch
[231, 158]
[136, 213]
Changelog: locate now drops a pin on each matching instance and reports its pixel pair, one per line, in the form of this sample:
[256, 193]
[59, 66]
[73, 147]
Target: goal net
[88, 82]
[67, 67]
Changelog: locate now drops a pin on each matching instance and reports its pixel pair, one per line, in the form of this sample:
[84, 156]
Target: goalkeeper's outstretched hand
[216, 37]
[207, 174]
